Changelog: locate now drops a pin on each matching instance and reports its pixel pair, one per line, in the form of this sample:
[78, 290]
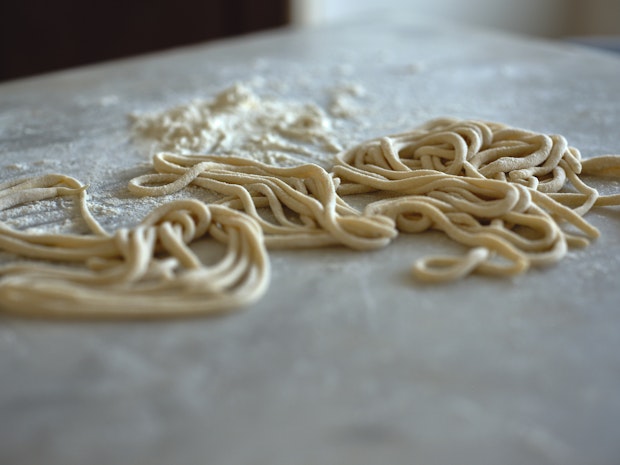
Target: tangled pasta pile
[499, 191]
[490, 187]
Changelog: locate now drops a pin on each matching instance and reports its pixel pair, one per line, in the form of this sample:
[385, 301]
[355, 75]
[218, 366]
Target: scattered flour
[239, 122]
[343, 100]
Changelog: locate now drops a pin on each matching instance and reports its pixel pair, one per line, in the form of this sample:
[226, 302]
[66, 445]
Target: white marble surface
[345, 360]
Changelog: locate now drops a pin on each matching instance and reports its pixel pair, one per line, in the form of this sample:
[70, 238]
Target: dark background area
[38, 36]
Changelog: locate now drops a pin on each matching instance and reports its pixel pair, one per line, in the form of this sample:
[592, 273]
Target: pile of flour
[239, 122]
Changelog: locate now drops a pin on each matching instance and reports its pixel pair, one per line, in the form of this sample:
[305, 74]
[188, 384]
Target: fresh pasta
[486, 185]
[122, 274]
[514, 198]
[319, 217]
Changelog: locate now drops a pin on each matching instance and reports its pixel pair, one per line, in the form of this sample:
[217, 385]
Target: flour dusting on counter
[238, 121]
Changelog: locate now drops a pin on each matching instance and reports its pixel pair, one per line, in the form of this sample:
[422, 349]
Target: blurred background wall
[545, 18]
[45, 35]
[38, 36]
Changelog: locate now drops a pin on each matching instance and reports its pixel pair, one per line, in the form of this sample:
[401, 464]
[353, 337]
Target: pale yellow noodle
[128, 278]
[307, 192]
[489, 158]
[508, 195]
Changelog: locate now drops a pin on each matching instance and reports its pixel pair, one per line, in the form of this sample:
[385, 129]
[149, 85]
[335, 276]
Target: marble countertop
[346, 360]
